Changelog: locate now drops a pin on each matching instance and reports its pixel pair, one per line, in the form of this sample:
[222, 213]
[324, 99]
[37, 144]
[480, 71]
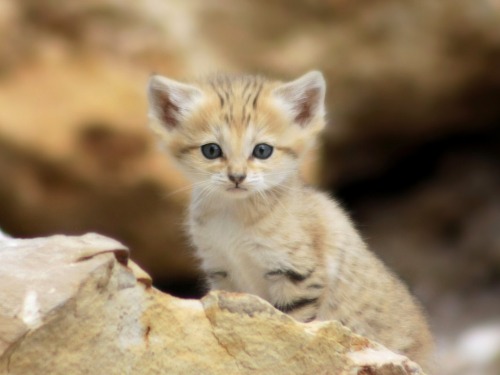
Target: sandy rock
[74, 305]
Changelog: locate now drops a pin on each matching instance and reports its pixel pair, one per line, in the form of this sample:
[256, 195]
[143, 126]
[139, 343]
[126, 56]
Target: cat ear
[170, 101]
[303, 98]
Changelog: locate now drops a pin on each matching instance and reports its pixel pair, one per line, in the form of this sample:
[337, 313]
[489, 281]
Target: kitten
[255, 225]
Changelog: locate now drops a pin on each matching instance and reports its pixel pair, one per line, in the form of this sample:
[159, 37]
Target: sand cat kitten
[256, 227]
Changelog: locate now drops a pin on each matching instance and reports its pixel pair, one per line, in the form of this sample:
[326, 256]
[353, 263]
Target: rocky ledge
[77, 305]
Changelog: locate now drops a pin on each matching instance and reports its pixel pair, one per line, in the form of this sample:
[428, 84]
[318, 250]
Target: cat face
[238, 136]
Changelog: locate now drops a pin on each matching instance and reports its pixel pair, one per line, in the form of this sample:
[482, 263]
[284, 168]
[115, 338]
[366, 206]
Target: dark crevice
[417, 166]
[182, 288]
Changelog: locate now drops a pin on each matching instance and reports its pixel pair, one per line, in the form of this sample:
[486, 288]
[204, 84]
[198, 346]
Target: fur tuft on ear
[303, 98]
[170, 101]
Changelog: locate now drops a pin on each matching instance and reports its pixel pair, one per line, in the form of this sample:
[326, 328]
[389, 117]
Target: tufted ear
[304, 98]
[170, 101]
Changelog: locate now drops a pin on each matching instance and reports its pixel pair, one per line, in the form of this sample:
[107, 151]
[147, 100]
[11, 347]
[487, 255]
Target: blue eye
[211, 151]
[262, 151]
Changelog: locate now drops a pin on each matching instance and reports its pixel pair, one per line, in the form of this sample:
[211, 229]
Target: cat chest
[219, 233]
[225, 245]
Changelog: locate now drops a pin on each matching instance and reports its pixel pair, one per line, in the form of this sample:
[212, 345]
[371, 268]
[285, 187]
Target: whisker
[184, 188]
[288, 188]
[289, 171]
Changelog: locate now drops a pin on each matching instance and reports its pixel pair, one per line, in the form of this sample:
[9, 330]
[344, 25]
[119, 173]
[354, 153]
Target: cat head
[237, 135]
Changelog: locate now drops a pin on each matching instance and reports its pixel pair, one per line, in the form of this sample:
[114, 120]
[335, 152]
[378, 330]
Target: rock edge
[74, 305]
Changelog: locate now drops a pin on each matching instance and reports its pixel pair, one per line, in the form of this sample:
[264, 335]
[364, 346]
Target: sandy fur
[281, 240]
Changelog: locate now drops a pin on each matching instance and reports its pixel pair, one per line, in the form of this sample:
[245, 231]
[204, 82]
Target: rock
[74, 305]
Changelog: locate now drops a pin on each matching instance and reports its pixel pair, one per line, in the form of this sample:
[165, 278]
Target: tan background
[412, 149]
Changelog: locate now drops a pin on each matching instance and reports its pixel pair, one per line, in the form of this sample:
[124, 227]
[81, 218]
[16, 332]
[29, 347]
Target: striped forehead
[238, 99]
[238, 141]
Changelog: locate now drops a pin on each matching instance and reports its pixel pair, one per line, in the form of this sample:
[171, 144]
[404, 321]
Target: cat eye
[211, 151]
[262, 151]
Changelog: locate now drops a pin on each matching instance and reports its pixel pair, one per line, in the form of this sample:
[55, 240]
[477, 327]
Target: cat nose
[236, 178]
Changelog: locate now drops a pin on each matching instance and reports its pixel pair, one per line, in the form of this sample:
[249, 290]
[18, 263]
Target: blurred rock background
[412, 149]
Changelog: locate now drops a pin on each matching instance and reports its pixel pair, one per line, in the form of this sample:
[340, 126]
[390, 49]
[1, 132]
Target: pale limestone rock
[76, 305]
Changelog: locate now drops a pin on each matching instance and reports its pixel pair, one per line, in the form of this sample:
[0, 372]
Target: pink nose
[237, 178]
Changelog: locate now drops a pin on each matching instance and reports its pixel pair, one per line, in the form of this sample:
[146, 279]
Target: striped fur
[271, 235]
